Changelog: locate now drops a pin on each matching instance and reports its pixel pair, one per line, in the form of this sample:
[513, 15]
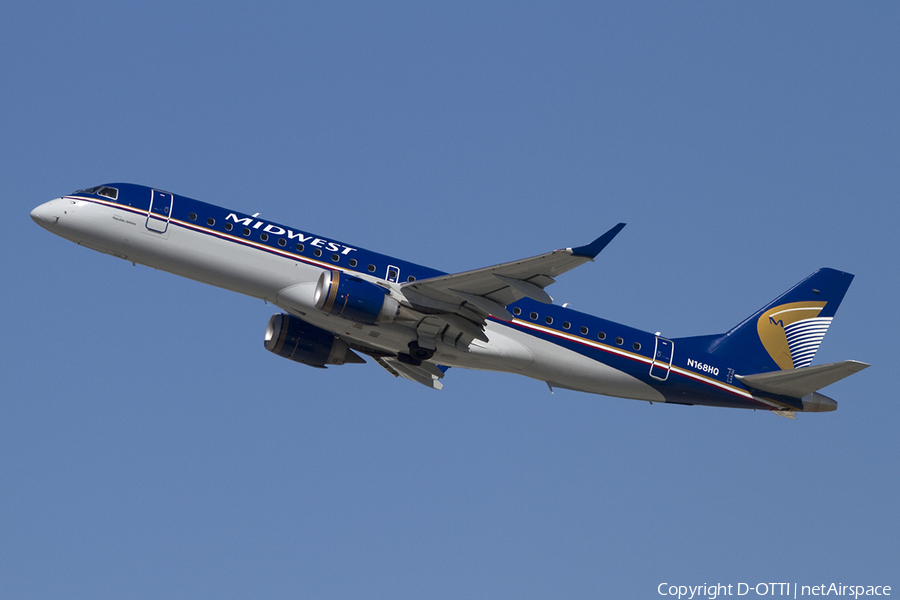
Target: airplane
[341, 301]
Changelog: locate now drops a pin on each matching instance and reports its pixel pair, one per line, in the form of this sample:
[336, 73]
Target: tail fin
[786, 333]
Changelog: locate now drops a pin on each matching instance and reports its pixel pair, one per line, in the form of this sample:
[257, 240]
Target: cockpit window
[101, 190]
[92, 190]
[111, 193]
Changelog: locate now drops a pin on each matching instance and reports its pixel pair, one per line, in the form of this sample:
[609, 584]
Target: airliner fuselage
[415, 321]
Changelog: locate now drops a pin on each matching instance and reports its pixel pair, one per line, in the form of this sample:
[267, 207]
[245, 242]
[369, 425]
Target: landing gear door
[160, 211]
[662, 359]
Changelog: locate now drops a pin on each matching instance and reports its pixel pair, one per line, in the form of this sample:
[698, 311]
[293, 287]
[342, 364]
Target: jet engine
[354, 299]
[294, 338]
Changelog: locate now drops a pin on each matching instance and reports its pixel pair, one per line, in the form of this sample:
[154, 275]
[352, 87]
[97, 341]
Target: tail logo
[791, 333]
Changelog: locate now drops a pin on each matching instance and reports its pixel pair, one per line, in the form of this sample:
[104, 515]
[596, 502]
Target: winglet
[593, 249]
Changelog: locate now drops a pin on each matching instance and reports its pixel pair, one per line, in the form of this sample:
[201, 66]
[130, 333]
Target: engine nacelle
[294, 338]
[354, 299]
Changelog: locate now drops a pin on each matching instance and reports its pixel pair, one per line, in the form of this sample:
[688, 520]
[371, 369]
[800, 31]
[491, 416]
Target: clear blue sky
[151, 448]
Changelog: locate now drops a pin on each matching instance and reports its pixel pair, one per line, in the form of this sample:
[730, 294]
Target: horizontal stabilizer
[797, 383]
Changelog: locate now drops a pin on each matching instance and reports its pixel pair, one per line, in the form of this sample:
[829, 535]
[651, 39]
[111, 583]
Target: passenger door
[662, 359]
[160, 211]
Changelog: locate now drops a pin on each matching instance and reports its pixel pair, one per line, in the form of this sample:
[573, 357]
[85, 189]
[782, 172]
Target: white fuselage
[290, 284]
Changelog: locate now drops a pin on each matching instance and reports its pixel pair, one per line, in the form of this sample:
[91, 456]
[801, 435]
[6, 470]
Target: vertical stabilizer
[787, 332]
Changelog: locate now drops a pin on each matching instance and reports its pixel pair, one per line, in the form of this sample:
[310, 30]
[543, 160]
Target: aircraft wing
[462, 301]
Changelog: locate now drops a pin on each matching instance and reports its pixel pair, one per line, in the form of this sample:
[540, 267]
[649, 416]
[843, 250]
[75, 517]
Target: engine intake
[293, 338]
[354, 299]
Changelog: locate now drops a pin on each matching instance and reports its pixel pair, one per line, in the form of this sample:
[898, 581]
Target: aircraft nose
[47, 214]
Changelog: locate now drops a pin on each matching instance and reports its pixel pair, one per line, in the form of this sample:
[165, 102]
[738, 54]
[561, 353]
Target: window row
[317, 252]
[566, 325]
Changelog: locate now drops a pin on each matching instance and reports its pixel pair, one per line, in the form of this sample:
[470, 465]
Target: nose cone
[47, 214]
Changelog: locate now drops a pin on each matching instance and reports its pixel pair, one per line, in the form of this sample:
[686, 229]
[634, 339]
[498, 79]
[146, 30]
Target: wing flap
[427, 374]
[486, 304]
[527, 288]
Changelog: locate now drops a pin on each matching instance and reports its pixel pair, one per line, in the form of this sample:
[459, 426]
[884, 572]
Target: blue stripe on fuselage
[682, 386]
[183, 207]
